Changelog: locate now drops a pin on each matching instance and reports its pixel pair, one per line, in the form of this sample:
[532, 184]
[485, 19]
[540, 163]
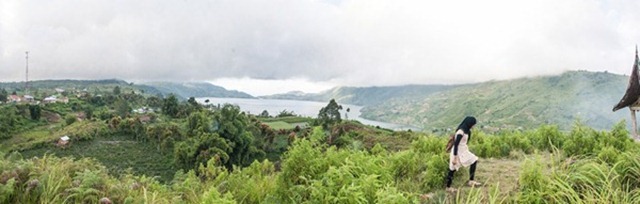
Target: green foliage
[532, 182]
[519, 103]
[232, 125]
[3, 95]
[165, 135]
[264, 114]
[154, 102]
[280, 125]
[330, 114]
[122, 107]
[547, 137]
[313, 172]
[116, 90]
[34, 112]
[70, 119]
[201, 148]
[285, 113]
[213, 196]
[10, 121]
[170, 106]
[44, 138]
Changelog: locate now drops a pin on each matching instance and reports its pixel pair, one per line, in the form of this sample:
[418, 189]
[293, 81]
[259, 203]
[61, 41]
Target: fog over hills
[517, 103]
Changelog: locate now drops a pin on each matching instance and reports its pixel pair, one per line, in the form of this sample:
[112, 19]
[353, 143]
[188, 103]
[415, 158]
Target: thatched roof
[633, 89]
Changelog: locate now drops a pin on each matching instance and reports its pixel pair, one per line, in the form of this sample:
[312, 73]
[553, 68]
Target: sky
[275, 46]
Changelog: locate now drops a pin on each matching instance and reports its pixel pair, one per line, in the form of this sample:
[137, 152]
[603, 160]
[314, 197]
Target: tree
[116, 90]
[192, 101]
[330, 114]
[34, 111]
[232, 125]
[264, 114]
[9, 121]
[88, 111]
[3, 95]
[193, 106]
[222, 135]
[170, 106]
[122, 107]
[154, 102]
[285, 113]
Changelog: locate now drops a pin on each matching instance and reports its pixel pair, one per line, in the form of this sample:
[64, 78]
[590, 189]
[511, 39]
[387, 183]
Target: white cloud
[349, 42]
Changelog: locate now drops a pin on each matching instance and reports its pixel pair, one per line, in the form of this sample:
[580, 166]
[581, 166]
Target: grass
[499, 178]
[119, 154]
[49, 134]
[37, 135]
[277, 125]
[288, 119]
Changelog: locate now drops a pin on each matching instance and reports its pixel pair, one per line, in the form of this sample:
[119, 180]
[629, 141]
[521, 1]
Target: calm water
[303, 108]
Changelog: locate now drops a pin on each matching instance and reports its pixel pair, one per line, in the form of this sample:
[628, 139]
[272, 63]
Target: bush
[70, 119]
[532, 182]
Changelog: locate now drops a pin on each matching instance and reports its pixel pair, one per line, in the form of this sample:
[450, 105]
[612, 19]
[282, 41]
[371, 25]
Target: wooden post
[634, 123]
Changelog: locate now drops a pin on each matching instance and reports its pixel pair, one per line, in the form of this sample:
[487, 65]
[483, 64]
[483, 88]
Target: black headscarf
[466, 125]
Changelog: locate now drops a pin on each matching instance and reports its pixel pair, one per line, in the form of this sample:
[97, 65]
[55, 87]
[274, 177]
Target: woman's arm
[456, 143]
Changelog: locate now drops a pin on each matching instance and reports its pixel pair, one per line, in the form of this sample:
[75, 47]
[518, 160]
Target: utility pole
[26, 83]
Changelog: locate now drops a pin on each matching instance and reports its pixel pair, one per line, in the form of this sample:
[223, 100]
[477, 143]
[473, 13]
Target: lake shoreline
[302, 108]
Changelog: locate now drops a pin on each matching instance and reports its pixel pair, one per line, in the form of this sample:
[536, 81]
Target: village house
[14, 98]
[143, 110]
[63, 141]
[28, 98]
[50, 99]
[55, 99]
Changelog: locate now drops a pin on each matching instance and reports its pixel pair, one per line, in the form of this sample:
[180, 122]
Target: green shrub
[532, 182]
[70, 119]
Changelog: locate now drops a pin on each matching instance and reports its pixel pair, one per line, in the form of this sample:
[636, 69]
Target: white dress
[466, 157]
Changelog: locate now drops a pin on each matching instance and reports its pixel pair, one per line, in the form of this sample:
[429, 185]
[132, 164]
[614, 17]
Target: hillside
[197, 89]
[518, 103]
[182, 90]
[365, 96]
[47, 87]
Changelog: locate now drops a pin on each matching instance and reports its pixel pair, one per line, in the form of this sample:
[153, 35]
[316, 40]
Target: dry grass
[499, 178]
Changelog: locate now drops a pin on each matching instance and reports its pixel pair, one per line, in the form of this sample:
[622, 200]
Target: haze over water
[302, 108]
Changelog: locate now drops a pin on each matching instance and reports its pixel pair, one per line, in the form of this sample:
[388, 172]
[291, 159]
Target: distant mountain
[181, 90]
[519, 103]
[364, 96]
[91, 86]
[196, 89]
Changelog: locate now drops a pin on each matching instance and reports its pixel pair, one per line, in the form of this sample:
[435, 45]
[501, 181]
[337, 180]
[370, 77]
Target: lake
[303, 108]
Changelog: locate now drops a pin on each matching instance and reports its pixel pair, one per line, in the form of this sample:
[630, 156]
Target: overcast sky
[274, 46]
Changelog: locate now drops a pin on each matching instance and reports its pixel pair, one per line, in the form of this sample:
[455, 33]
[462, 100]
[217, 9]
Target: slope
[365, 96]
[518, 103]
[197, 89]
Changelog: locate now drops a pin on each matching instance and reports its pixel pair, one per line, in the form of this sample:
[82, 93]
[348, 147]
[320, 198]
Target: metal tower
[26, 83]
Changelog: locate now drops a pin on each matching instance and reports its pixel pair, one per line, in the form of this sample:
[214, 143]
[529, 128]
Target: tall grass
[582, 166]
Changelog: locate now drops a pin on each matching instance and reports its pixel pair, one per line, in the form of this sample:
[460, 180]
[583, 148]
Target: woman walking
[460, 155]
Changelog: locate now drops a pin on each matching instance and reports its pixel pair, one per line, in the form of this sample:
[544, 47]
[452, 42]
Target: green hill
[365, 96]
[47, 87]
[181, 90]
[519, 103]
[197, 89]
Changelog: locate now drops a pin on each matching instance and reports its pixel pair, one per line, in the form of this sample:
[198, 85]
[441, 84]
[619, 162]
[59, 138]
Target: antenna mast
[26, 83]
